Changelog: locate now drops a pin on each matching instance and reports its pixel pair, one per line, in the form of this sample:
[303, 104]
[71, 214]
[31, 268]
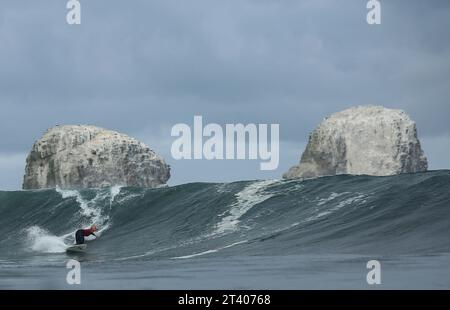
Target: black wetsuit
[81, 233]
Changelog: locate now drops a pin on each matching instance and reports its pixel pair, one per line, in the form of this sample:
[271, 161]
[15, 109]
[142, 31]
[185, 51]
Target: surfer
[81, 233]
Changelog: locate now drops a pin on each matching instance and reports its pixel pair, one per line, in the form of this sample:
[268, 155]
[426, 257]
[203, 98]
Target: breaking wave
[405, 214]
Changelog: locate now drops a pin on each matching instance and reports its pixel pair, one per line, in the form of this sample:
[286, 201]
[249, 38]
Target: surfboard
[77, 248]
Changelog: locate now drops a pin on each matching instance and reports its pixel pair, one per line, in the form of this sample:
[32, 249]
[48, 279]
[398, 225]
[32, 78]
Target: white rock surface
[91, 157]
[370, 140]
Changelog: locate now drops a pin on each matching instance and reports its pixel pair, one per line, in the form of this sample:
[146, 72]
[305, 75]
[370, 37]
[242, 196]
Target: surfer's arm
[94, 235]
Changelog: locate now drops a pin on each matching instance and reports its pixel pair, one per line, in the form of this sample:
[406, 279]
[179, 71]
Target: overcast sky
[141, 66]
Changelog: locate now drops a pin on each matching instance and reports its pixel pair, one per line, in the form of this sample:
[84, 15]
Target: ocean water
[269, 234]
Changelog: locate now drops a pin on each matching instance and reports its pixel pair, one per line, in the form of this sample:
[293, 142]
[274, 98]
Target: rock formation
[91, 157]
[368, 140]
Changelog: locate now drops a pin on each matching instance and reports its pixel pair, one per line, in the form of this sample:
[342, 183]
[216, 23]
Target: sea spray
[40, 240]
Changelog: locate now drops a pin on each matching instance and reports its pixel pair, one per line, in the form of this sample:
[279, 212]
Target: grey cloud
[143, 65]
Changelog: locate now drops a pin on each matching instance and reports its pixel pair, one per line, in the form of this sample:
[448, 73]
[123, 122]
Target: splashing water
[91, 208]
[40, 240]
[114, 192]
[93, 213]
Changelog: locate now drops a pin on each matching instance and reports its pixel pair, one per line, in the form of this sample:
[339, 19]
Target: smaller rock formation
[370, 140]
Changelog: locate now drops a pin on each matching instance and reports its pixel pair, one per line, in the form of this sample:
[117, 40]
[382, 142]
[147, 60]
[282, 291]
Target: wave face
[405, 214]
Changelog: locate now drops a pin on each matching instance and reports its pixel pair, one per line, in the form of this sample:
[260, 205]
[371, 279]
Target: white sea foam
[222, 188]
[40, 240]
[86, 210]
[92, 209]
[330, 198]
[359, 198]
[247, 198]
[122, 199]
[114, 191]
[210, 251]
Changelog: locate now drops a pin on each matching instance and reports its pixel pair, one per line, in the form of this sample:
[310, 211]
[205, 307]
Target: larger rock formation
[368, 140]
[92, 157]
